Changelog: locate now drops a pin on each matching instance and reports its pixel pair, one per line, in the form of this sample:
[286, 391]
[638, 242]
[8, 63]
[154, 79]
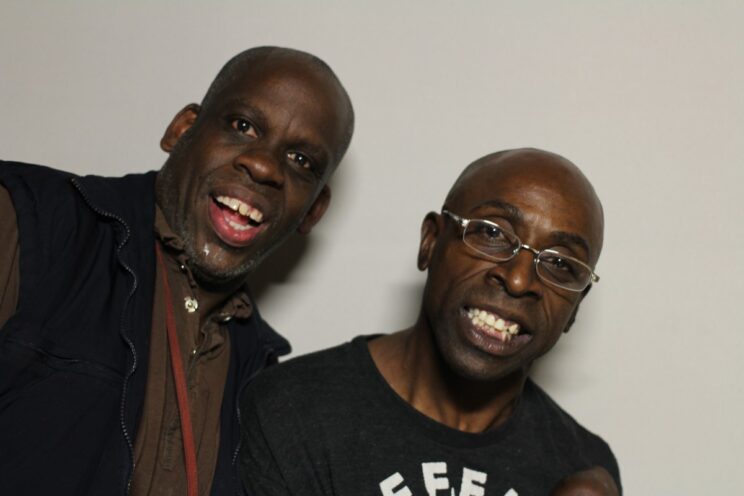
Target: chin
[212, 275]
[472, 370]
[472, 364]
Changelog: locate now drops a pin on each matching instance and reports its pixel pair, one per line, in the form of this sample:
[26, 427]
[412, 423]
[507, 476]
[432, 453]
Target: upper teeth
[493, 321]
[241, 207]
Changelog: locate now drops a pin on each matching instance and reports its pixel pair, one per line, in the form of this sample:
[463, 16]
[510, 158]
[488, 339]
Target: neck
[213, 300]
[213, 296]
[412, 365]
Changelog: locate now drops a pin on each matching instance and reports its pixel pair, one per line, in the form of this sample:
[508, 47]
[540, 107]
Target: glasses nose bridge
[524, 246]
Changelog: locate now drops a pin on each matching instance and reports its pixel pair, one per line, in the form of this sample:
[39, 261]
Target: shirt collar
[237, 305]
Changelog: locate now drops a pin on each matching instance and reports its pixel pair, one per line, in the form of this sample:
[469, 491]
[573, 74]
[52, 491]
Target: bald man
[446, 406]
[126, 326]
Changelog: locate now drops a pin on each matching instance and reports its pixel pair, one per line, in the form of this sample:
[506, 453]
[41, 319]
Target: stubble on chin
[208, 274]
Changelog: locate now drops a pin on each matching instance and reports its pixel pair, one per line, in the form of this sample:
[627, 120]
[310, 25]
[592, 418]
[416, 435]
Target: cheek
[299, 197]
[559, 312]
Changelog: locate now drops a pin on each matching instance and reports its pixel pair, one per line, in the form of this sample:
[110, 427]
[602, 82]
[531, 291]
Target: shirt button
[191, 304]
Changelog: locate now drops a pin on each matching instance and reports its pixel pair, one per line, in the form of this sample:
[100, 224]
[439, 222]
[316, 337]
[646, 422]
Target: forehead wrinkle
[567, 239]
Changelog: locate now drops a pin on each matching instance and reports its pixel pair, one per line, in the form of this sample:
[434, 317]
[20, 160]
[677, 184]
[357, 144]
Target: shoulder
[546, 410]
[576, 442]
[33, 171]
[44, 201]
[302, 373]
[39, 187]
[312, 385]
[36, 181]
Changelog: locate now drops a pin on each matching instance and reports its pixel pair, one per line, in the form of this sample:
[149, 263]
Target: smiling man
[126, 328]
[447, 406]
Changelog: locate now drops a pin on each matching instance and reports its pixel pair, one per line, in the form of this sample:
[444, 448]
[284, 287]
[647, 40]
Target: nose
[262, 166]
[517, 275]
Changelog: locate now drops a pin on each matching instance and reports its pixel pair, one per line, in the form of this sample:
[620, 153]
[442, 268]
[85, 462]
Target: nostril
[516, 276]
[262, 168]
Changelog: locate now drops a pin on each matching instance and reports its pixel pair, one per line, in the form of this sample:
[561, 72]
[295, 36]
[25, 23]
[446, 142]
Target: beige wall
[646, 97]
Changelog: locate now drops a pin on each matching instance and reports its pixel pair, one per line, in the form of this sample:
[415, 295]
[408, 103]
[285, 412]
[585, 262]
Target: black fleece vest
[67, 352]
[73, 357]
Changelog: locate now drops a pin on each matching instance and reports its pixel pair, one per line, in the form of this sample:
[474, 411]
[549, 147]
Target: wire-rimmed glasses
[493, 242]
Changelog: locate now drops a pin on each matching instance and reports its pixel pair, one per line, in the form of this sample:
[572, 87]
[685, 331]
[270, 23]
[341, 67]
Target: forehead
[289, 90]
[540, 196]
[285, 75]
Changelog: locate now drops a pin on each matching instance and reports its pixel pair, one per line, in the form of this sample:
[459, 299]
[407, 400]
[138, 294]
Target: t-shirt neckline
[433, 429]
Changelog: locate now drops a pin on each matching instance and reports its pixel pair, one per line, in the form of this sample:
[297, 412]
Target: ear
[572, 319]
[318, 208]
[179, 125]
[430, 229]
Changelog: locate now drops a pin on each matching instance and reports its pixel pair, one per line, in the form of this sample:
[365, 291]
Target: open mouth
[493, 324]
[235, 221]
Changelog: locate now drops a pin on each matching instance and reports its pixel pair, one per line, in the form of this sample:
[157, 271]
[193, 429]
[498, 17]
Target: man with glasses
[447, 406]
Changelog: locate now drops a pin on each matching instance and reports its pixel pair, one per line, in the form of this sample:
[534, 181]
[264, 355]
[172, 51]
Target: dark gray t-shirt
[329, 424]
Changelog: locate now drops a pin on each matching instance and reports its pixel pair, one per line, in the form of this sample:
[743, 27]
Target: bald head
[255, 60]
[538, 176]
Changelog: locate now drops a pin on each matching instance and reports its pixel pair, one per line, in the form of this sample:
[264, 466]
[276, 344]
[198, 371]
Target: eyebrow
[256, 114]
[510, 209]
[567, 238]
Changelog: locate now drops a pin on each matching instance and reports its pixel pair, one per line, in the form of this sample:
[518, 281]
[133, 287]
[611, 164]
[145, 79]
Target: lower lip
[227, 233]
[490, 344]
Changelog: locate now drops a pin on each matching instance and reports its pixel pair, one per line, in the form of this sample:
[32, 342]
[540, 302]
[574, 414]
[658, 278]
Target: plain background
[646, 97]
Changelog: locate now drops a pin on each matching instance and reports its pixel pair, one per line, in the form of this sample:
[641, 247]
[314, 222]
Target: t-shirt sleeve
[259, 472]
[9, 257]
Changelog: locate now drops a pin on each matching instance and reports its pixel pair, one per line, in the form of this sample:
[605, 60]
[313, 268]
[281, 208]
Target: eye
[559, 264]
[489, 238]
[245, 127]
[302, 160]
[489, 233]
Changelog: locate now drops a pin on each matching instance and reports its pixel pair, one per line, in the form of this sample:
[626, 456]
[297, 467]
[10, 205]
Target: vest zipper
[122, 327]
[268, 351]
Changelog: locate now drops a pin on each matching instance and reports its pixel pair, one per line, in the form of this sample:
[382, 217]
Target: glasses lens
[490, 239]
[563, 270]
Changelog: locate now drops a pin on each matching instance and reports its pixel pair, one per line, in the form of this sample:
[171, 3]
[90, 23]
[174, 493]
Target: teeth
[241, 208]
[256, 215]
[489, 320]
[239, 227]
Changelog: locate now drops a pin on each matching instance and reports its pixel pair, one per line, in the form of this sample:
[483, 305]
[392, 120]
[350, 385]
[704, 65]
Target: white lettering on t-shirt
[431, 481]
[387, 487]
[435, 479]
[469, 479]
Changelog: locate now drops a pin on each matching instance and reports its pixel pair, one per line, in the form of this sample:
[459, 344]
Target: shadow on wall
[276, 269]
[566, 366]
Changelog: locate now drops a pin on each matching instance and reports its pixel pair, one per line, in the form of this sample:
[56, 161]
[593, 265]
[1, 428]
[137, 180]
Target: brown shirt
[9, 258]
[205, 347]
